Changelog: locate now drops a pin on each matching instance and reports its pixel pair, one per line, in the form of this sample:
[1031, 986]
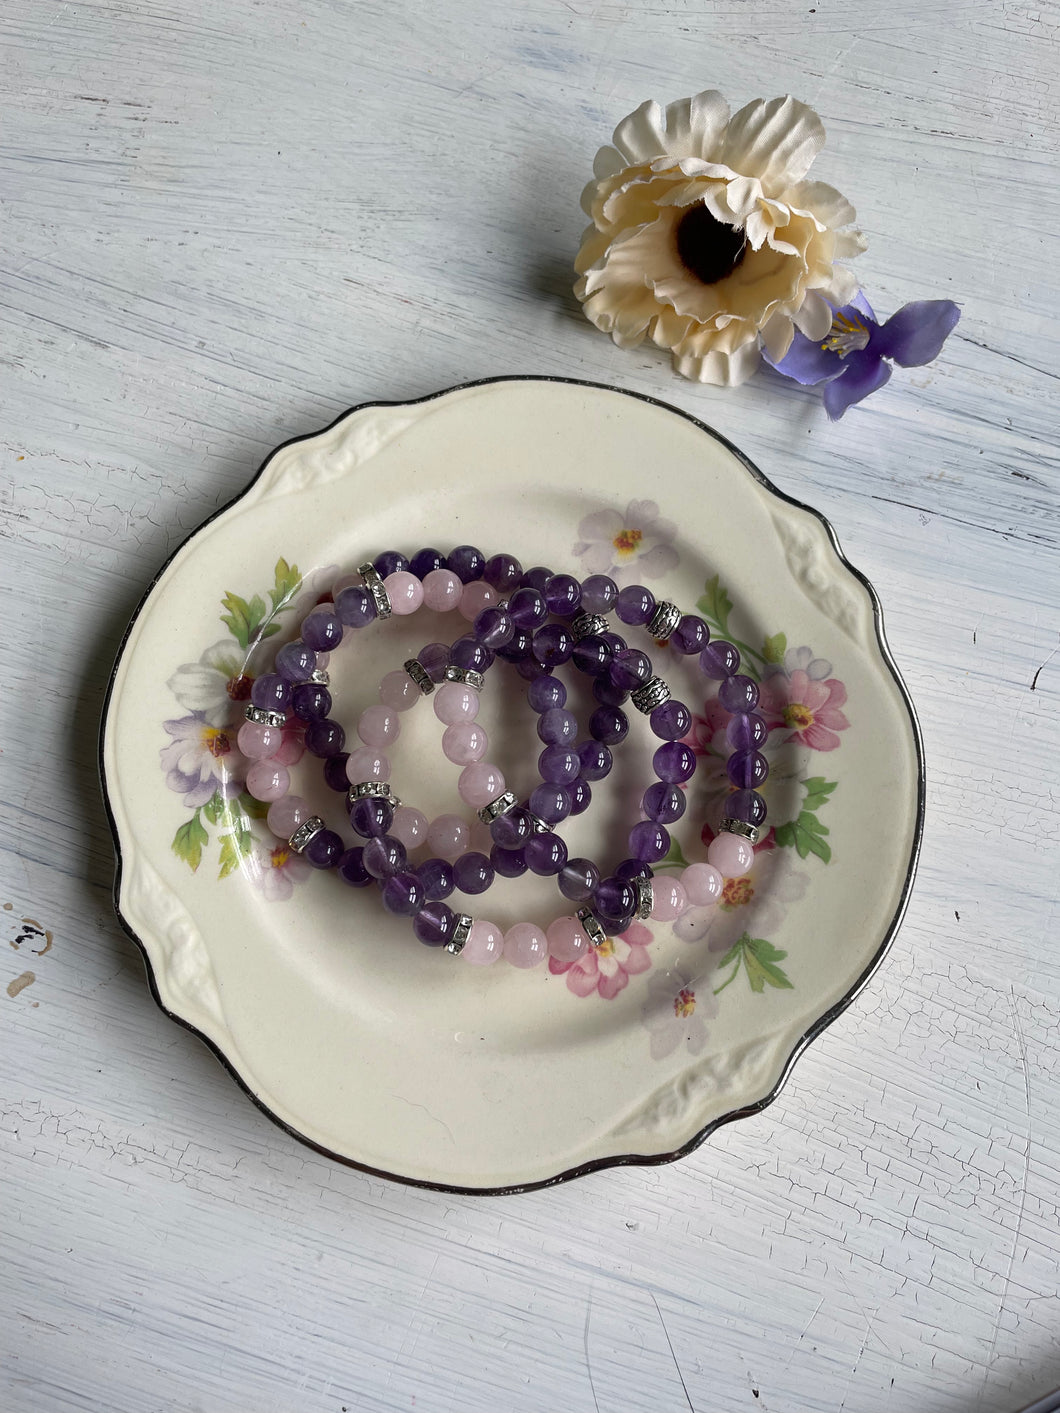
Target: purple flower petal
[915, 334]
[865, 373]
[806, 361]
[860, 305]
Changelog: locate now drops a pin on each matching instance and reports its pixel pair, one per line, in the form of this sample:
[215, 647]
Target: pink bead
[453, 702]
[670, 899]
[475, 598]
[441, 590]
[479, 784]
[398, 691]
[566, 940]
[323, 658]
[292, 747]
[366, 763]
[465, 742]
[448, 836]
[525, 945]
[259, 742]
[410, 826]
[730, 855]
[286, 815]
[703, 884]
[404, 591]
[268, 781]
[378, 726]
[485, 943]
[481, 838]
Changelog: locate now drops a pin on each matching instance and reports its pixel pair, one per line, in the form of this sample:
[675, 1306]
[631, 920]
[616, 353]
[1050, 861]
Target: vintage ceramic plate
[413, 1063]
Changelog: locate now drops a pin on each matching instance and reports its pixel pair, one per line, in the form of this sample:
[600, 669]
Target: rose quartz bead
[268, 781]
[465, 742]
[453, 703]
[323, 659]
[367, 763]
[479, 784]
[730, 855]
[481, 838]
[286, 815]
[670, 901]
[292, 748]
[525, 945]
[485, 943]
[703, 884]
[448, 836]
[398, 691]
[257, 741]
[378, 726]
[441, 590]
[566, 940]
[475, 597]
[410, 826]
[404, 591]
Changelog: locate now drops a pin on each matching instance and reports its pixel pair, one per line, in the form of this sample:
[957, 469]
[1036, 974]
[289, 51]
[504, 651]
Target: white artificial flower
[706, 236]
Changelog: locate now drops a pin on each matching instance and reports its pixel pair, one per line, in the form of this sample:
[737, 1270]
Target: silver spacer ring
[588, 625]
[664, 620]
[591, 926]
[320, 676]
[302, 835]
[261, 717]
[373, 582]
[466, 676]
[371, 790]
[645, 897]
[501, 805]
[538, 825]
[652, 694]
[461, 932]
[742, 830]
[420, 676]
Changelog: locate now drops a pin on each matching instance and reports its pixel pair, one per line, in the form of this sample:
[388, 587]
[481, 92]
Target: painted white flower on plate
[706, 235]
[756, 903]
[676, 1012]
[214, 684]
[629, 547]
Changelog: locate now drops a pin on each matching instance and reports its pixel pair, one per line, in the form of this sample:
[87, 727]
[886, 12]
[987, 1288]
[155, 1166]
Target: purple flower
[852, 360]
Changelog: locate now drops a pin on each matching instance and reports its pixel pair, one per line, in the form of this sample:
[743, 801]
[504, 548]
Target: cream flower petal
[775, 141]
[777, 334]
[688, 128]
[850, 243]
[722, 369]
[814, 317]
[822, 201]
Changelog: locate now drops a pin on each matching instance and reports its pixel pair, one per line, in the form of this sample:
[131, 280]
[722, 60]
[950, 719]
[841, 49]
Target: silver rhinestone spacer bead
[466, 676]
[302, 835]
[664, 620]
[652, 694]
[501, 805]
[373, 582]
[371, 790]
[320, 676]
[591, 926]
[460, 934]
[588, 625]
[261, 717]
[645, 897]
[420, 676]
[538, 825]
[742, 830]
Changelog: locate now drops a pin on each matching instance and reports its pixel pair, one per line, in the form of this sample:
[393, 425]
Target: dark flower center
[709, 249]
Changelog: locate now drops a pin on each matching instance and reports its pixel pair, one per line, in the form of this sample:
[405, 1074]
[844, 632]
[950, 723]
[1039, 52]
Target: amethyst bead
[633, 868]
[664, 803]
[578, 879]
[424, 561]
[592, 655]
[494, 627]
[671, 721]
[553, 645]
[615, 897]
[271, 692]
[563, 594]
[437, 878]
[335, 776]
[609, 725]
[503, 572]
[747, 769]
[537, 578]
[322, 630]
[473, 873]
[467, 563]
[511, 829]
[545, 853]
[607, 694]
[556, 727]
[746, 805]
[580, 796]
[509, 863]
[614, 642]
[403, 894]
[595, 760]
[690, 636]
[545, 693]
[434, 924]
[629, 669]
[310, 701]
[434, 659]
[614, 926]
[599, 594]
[370, 818]
[559, 765]
[324, 737]
[518, 647]
[719, 660]
[551, 803]
[296, 661]
[635, 605]
[351, 868]
[384, 856]
[354, 606]
[390, 562]
[738, 693]
[471, 656]
[529, 669]
[674, 762]
[743, 733]
[528, 609]
[324, 849]
[648, 842]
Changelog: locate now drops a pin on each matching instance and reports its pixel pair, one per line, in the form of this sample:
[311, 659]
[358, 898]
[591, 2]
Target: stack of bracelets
[537, 621]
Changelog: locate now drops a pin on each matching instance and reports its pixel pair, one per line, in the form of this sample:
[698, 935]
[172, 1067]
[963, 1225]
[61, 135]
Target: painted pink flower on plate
[628, 547]
[809, 709]
[276, 870]
[606, 969]
[756, 903]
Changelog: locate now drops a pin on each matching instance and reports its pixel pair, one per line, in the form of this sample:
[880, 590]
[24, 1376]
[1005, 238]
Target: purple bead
[607, 694]
[324, 737]
[537, 578]
[545, 853]
[747, 769]
[471, 656]
[719, 660]
[609, 725]
[351, 868]
[324, 849]
[436, 875]
[648, 842]
[553, 645]
[494, 627]
[664, 803]
[511, 829]
[559, 765]
[674, 762]
[509, 863]
[592, 655]
[595, 760]
[370, 818]
[322, 630]
[503, 572]
[403, 894]
[629, 669]
[518, 647]
[384, 856]
[528, 609]
[530, 669]
[744, 733]
[424, 561]
[615, 896]
[738, 693]
[746, 805]
[473, 873]
[296, 661]
[335, 776]
[551, 803]
[354, 606]
[671, 721]
[557, 727]
[581, 795]
[614, 926]
[467, 563]
[546, 693]
[690, 636]
[434, 924]
[599, 594]
[563, 594]
[434, 659]
[390, 562]
[271, 692]
[631, 869]
[635, 605]
[578, 879]
[310, 701]
[614, 642]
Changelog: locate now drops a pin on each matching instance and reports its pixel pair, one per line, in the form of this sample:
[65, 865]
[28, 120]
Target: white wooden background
[223, 224]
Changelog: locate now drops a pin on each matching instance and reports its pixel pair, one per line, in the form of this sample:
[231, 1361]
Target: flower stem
[732, 976]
